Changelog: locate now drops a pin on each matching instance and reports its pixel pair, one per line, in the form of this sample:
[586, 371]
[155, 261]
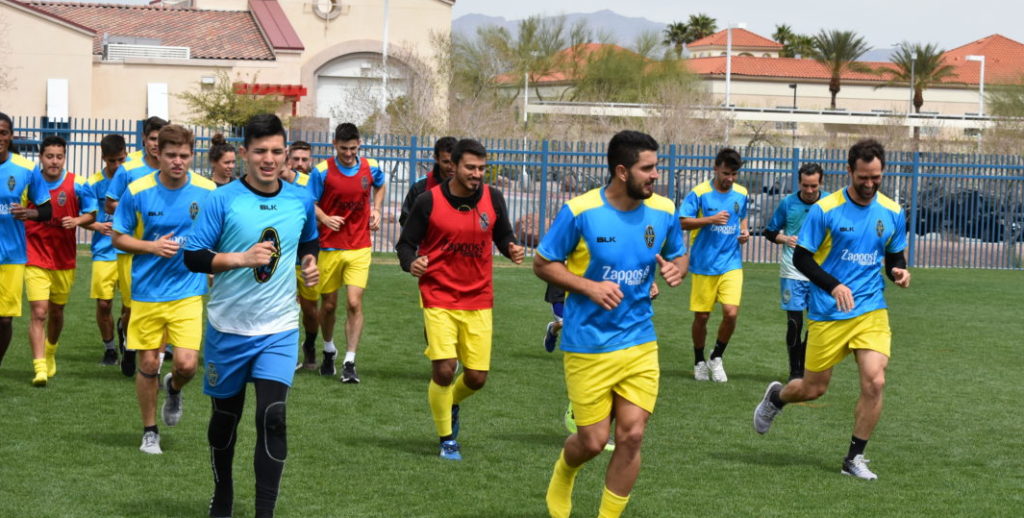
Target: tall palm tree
[675, 36]
[784, 35]
[839, 52]
[924, 64]
[700, 26]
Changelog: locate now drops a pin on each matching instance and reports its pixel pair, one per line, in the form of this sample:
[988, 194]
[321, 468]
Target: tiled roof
[1004, 60]
[209, 34]
[782, 68]
[275, 25]
[740, 38]
[578, 55]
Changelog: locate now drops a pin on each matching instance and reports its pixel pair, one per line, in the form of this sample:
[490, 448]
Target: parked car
[969, 213]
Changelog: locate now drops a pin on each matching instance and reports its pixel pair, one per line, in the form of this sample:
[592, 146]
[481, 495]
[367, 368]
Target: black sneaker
[127, 356]
[109, 357]
[348, 373]
[309, 360]
[220, 505]
[327, 367]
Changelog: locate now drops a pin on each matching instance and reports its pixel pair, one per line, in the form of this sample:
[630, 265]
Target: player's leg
[271, 443]
[554, 327]
[12, 282]
[222, 434]
[54, 327]
[145, 334]
[101, 288]
[6, 332]
[328, 306]
[703, 290]
[185, 331]
[441, 329]
[355, 275]
[37, 288]
[624, 467]
[871, 346]
[474, 351]
[124, 282]
[311, 326]
[729, 291]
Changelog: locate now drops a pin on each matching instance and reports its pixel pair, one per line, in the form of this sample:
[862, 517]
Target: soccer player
[296, 172]
[104, 264]
[341, 186]
[603, 248]
[17, 182]
[446, 244]
[443, 169]
[300, 157]
[153, 220]
[784, 229]
[715, 214]
[222, 160]
[52, 252]
[840, 249]
[129, 172]
[252, 324]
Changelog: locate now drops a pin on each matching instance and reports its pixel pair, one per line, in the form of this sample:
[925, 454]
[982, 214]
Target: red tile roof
[210, 34]
[568, 58]
[1004, 60]
[782, 68]
[740, 38]
[275, 25]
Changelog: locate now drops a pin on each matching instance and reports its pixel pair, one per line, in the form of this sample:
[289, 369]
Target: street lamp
[728, 59]
[981, 84]
[793, 86]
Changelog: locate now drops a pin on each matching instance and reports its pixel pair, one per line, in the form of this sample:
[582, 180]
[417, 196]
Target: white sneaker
[151, 443]
[700, 371]
[858, 467]
[717, 370]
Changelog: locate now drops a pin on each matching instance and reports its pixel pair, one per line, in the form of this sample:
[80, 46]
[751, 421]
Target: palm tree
[839, 51]
[700, 26]
[924, 64]
[784, 35]
[800, 45]
[675, 37]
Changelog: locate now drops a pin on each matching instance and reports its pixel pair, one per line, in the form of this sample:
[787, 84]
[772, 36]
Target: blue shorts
[795, 294]
[232, 360]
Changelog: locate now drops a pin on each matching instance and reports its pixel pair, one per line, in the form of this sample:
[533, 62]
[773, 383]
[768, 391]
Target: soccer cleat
[151, 443]
[766, 411]
[450, 450]
[348, 373]
[570, 419]
[858, 467]
[327, 367]
[550, 337]
[700, 371]
[109, 357]
[173, 404]
[39, 367]
[51, 360]
[717, 370]
[455, 422]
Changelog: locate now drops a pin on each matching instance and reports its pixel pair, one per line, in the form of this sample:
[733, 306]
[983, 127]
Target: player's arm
[689, 209]
[85, 221]
[605, 293]
[744, 232]
[502, 234]
[896, 268]
[412, 235]
[38, 213]
[164, 246]
[776, 225]
[379, 190]
[804, 261]
[39, 195]
[409, 201]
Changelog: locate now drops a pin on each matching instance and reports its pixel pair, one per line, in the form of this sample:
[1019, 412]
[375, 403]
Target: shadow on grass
[415, 447]
[124, 439]
[776, 458]
[545, 439]
[171, 504]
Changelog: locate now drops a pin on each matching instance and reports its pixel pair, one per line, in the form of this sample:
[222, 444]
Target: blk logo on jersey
[11, 184]
[649, 236]
[880, 228]
[265, 272]
[62, 198]
[484, 221]
[604, 239]
[193, 210]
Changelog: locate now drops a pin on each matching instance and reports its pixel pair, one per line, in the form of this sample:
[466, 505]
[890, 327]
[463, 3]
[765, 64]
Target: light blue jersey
[102, 246]
[19, 183]
[788, 218]
[715, 249]
[255, 301]
[601, 243]
[147, 211]
[850, 241]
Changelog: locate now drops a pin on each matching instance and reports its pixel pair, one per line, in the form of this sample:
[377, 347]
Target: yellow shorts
[104, 279]
[828, 342]
[182, 320]
[343, 268]
[459, 333]
[591, 379]
[124, 275]
[705, 290]
[306, 292]
[51, 285]
[12, 282]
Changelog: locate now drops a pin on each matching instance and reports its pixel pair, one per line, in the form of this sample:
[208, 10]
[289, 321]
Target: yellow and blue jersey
[601, 243]
[255, 301]
[850, 241]
[127, 173]
[21, 182]
[788, 217]
[102, 246]
[149, 210]
[715, 249]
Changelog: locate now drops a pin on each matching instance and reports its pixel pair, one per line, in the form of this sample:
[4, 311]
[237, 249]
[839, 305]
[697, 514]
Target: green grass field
[949, 443]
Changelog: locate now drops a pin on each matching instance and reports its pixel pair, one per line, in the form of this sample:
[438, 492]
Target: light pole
[728, 60]
[384, 62]
[793, 86]
[981, 84]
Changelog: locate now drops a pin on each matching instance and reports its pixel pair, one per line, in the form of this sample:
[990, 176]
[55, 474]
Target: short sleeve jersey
[255, 301]
[18, 181]
[102, 247]
[50, 245]
[127, 173]
[715, 249]
[850, 241]
[601, 243]
[149, 210]
[345, 191]
[788, 218]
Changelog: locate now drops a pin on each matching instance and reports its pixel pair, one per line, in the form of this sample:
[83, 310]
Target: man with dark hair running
[446, 244]
[604, 248]
[104, 278]
[252, 324]
[795, 289]
[443, 169]
[846, 243]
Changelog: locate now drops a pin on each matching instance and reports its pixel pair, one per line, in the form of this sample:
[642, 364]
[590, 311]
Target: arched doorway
[350, 88]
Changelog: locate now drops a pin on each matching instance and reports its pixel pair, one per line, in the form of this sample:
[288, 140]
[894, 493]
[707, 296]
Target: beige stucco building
[64, 59]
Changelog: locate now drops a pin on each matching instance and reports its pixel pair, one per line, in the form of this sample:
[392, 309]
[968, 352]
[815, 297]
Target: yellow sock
[461, 391]
[559, 495]
[440, 399]
[51, 359]
[612, 505]
[39, 365]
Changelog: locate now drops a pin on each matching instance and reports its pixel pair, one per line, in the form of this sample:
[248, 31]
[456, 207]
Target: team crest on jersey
[193, 210]
[649, 236]
[736, 207]
[62, 198]
[211, 374]
[265, 272]
[11, 183]
[880, 228]
[364, 182]
[484, 221]
[786, 296]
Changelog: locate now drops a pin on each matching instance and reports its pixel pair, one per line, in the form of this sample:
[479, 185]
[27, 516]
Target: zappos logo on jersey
[633, 277]
[725, 229]
[649, 236]
[863, 259]
[5, 210]
[265, 272]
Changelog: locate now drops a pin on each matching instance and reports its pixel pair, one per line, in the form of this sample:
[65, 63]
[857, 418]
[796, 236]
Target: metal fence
[963, 211]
